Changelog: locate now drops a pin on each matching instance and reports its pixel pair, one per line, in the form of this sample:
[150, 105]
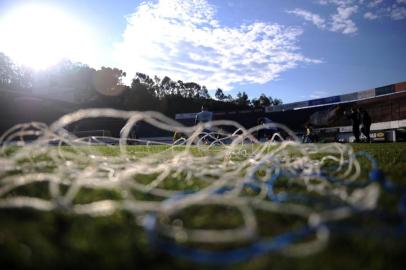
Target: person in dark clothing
[260, 133]
[308, 136]
[204, 117]
[365, 123]
[355, 119]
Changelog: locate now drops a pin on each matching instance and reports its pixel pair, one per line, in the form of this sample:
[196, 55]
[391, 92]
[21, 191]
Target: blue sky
[293, 50]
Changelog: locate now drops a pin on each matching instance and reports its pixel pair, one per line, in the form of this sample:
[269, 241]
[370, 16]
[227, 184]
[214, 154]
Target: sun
[39, 36]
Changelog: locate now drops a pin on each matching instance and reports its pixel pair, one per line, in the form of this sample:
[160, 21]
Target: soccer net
[227, 177]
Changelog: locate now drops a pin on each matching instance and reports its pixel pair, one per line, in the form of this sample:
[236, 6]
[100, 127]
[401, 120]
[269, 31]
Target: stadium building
[386, 106]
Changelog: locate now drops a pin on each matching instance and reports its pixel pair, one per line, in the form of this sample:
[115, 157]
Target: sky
[287, 49]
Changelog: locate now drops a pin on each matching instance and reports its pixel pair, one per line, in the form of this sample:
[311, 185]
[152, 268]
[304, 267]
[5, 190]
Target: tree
[148, 82]
[108, 81]
[255, 103]
[192, 90]
[7, 72]
[277, 101]
[242, 99]
[139, 97]
[223, 97]
[83, 82]
[180, 88]
[14, 76]
[203, 93]
[168, 86]
[219, 94]
[264, 100]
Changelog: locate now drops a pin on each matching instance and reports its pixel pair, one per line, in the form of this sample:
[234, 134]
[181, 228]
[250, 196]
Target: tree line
[105, 88]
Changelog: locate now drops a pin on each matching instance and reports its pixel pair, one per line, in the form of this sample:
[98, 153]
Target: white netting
[220, 169]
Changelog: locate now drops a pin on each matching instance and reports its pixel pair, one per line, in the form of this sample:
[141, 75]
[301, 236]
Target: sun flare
[40, 36]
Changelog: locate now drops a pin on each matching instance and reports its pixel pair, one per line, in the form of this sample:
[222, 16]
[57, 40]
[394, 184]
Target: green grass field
[57, 240]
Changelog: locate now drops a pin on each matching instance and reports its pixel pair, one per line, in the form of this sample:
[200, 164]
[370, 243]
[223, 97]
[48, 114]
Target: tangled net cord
[234, 171]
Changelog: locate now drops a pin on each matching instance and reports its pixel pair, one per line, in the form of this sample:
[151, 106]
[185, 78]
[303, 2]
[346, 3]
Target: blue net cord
[284, 240]
[227, 257]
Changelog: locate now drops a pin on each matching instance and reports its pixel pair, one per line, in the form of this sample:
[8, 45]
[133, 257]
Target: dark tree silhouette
[277, 101]
[242, 99]
[104, 88]
[264, 100]
[108, 81]
[220, 94]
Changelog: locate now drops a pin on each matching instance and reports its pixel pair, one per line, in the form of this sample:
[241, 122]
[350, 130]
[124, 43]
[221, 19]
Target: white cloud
[337, 2]
[341, 21]
[370, 16]
[338, 22]
[374, 3]
[309, 16]
[394, 10]
[398, 13]
[183, 40]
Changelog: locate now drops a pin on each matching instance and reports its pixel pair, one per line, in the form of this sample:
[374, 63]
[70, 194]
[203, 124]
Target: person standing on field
[355, 119]
[365, 123]
[203, 117]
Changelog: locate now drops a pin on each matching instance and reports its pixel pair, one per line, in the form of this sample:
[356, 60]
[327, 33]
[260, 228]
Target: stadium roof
[360, 95]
